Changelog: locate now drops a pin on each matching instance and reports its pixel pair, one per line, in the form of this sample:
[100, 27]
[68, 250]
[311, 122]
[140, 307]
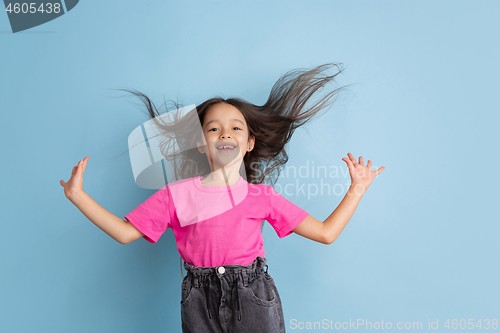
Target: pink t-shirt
[216, 225]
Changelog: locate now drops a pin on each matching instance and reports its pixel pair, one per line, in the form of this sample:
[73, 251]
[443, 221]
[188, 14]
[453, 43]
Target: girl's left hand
[361, 175]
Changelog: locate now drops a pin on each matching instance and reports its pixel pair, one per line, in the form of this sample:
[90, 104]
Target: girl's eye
[216, 128]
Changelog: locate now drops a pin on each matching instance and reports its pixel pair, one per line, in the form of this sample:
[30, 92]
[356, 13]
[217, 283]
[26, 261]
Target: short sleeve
[283, 214]
[152, 217]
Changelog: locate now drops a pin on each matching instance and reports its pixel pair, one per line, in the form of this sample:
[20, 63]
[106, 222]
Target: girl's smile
[226, 146]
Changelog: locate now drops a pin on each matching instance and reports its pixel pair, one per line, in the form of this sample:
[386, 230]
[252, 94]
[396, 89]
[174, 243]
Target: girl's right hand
[75, 182]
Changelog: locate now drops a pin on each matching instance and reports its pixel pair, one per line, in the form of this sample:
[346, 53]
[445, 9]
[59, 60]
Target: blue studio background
[423, 244]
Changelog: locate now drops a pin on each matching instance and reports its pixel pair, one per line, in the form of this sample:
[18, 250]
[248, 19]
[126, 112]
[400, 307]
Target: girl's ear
[199, 145]
[251, 143]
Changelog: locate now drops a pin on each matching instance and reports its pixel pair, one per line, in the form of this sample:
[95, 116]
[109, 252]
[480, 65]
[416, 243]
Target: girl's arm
[326, 232]
[118, 229]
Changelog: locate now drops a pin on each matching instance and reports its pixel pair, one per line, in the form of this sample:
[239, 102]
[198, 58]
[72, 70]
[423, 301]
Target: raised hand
[75, 182]
[361, 175]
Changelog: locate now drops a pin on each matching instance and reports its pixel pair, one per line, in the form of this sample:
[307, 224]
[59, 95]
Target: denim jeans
[230, 298]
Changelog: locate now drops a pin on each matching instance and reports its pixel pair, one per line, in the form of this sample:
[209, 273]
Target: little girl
[216, 214]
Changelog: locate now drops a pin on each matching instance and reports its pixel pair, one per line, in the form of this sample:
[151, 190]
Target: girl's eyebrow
[217, 120]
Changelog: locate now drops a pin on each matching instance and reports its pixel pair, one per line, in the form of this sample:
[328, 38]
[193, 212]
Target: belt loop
[245, 278]
[266, 268]
[196, 281]
[261, 261]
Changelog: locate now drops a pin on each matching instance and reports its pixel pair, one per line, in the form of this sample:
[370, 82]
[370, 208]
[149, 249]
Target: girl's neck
[221, 177]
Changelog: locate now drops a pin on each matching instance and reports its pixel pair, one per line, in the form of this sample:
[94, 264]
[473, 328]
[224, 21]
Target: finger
[348, 161]
[353, 160]
[85, 160]
[379, 170]
[62, 183]
[369, 165]
[79, 167]
[73, 171]
[361, 160]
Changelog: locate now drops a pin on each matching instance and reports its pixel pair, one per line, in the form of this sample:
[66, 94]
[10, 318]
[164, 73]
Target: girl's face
[225, 125]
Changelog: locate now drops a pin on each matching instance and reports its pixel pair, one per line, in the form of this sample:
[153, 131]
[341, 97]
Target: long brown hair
[272, 124]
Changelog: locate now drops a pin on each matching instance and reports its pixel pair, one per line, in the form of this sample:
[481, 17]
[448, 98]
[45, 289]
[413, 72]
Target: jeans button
[221, 270]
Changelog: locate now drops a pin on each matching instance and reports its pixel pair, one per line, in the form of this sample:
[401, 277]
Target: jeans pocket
[261, 291]
[187, 291]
